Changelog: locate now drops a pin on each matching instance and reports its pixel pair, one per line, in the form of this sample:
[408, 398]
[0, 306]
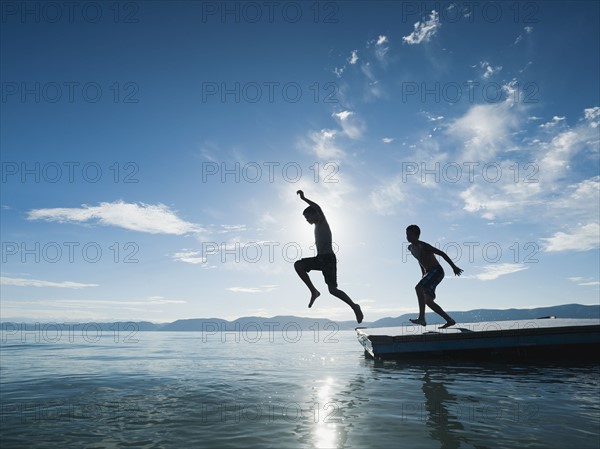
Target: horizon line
[72, 321]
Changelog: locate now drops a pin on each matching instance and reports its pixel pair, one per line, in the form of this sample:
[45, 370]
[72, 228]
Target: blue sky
[151, 152]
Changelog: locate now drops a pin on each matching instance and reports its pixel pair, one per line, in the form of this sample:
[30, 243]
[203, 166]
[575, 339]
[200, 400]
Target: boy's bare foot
[448, 324]
[358, 313]
[314, 296]
[420, 321]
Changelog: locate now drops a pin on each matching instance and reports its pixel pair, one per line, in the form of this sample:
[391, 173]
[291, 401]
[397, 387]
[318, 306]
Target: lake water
[313, 389]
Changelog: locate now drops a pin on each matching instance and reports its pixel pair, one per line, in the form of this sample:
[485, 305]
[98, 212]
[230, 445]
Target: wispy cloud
[386, 198]
[557, 155]
[584, 238]
[477, 199]
[528, 30]
[552, 123]
[374, 56]
[544, 182]
[191, 257]
[351, 125]
[489, 70]
[492, 272]
[140, 217]
[592, 115]
[20, 282]
[584, 282]
[424, 31]
[381, 40]
[381, 49]
[233, 228]
[323, 145]
[261, 289]
[575, 200]
[484, 130]
[374, 89]
[352, 60]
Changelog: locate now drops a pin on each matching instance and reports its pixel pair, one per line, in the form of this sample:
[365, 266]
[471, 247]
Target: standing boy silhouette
[433, 273]
[325, 260]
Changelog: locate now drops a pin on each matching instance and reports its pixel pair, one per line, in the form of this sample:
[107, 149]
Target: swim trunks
[431, 279]
[327, 263]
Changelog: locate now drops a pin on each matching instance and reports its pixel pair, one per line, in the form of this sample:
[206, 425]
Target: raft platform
[546, 337]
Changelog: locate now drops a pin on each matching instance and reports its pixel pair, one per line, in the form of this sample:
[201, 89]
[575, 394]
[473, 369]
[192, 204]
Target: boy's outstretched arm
[457, 271]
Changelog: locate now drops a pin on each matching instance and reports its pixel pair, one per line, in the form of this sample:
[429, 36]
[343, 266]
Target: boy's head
[413, 232]
[311, 215]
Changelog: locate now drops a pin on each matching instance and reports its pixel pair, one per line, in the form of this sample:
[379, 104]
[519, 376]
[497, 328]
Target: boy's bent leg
[302, 273]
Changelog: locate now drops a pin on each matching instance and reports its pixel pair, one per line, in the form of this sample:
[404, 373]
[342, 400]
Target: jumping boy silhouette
[433, 273]
[325, 260]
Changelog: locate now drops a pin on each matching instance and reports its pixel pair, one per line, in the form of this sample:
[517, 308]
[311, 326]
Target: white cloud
[509, 197]
[577, 199]
[588, 191]
[586, 282]
[424, 31]
[191, 257]
[374, 89]
[592, 115]
[163, 300]
[433, 118]
[388, 139]
[484, 130]
[528, 30]
[585, 238]
[353, 59]
[478, 199]
[233, 228]
[19, 282]
[154, 219]
[351, 125]
[381, 49]
[558, 154]
[552, 123]
[343, 115]
[541, 185]
[261, 289]
[489, 69]
[323, 145]
[266, 220]
[385, 198]
[492, 272]
[382, 40]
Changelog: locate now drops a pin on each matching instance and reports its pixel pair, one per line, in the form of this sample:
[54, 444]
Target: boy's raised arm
[311, 203]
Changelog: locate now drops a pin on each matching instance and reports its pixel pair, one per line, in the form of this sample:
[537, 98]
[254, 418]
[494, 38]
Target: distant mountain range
[291, 324]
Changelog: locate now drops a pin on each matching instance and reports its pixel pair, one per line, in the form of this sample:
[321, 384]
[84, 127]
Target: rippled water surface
[192, 390]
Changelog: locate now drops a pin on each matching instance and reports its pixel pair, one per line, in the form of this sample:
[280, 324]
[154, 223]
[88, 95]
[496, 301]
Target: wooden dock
[527, 338]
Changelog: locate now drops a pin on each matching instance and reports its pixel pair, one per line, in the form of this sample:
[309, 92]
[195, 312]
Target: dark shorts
[327, 263]
[431, 279]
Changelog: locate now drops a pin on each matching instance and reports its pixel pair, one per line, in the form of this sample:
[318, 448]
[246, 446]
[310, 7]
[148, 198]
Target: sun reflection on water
[326, 429]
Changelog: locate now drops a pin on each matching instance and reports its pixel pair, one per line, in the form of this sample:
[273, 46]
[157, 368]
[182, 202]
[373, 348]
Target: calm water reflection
[178, 390]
